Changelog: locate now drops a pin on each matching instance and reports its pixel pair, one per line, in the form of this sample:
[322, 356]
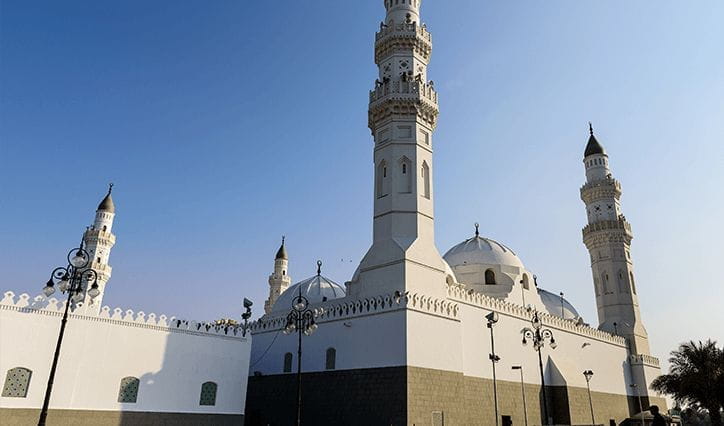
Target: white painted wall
[98, 351]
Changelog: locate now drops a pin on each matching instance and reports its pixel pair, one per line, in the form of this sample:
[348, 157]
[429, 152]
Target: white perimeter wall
[98, 352]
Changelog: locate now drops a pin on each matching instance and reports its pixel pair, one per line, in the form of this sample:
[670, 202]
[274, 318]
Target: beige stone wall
[27, 417]
[469, 401]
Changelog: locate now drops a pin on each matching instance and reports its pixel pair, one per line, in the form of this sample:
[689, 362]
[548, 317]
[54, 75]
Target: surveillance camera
[247, 303]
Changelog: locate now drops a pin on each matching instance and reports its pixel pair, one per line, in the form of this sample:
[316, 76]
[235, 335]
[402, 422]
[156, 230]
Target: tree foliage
[696, 378]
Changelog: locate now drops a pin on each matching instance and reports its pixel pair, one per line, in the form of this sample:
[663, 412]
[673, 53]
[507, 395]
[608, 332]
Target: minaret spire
[402, 116]
[279, 280]
[608, 239]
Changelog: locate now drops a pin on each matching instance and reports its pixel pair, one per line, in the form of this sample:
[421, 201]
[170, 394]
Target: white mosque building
[116, 366]
[405, 341]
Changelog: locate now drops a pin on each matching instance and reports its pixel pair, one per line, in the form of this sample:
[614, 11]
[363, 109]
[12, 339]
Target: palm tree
[696, 377]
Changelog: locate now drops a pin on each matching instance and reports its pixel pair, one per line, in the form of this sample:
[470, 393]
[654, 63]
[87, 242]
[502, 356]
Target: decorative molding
[644, 359]
[402, 37]
[339, 309]
[461, 293]
[40, 305]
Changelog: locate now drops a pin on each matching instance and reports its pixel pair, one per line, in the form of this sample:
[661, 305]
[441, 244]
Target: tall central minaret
[608, 239]
[279, 280]
[402, 116]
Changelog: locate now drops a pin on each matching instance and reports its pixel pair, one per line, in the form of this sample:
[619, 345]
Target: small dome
[558, 306]
[481, 251]
[316, 289]
[107, 202]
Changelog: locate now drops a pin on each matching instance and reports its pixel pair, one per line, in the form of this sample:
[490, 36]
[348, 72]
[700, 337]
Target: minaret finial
[319, 267]
[590, 128]
[283, 238]
[110, 187]
[477, 229]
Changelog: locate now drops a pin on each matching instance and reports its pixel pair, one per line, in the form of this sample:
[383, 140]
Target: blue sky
[226, 124]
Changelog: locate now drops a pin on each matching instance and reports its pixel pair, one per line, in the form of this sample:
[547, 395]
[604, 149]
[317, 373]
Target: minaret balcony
[601, 189]
[403, 99]
[402, 37]
[608, 227]
[404, 90]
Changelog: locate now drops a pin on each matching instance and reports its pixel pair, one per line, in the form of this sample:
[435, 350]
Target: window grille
[208, 394]
[128, 391]
[17, 382]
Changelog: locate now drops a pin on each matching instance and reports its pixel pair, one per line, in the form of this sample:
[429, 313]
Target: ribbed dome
[481, 251]
[107, 202]
[316, 289]
[558, 306]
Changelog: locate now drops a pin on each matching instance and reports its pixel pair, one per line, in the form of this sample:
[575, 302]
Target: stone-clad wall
[401, 396]
[28, 417]
[374, 396]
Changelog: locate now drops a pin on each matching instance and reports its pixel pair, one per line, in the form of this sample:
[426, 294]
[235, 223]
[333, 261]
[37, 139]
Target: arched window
[489, 277]
[604, 283]
[104, 228]
[622, 287]
[208, 394]
[331, 361]
[128, 391]
[526, 284]
[425, 180]
[288, 362]
[633, 285]
[17, 381]
[404, 183]
[381, 179]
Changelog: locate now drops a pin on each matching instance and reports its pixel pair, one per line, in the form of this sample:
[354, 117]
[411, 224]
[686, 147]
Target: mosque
[464, 338]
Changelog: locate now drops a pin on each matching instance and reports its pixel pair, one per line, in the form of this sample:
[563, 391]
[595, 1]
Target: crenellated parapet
[645, 360]
[604, 189]
[343, 309]
[607, 231]
[462, 294]
[41, 305]
[399, 99]
[402, 37]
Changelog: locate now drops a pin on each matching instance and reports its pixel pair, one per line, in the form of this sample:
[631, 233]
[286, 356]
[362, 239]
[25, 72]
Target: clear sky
[227, 124]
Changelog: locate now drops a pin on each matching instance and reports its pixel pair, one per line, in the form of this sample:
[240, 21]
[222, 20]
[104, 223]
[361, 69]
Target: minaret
[402, 115]
[279, 280]
[608, 239]
[99, 240]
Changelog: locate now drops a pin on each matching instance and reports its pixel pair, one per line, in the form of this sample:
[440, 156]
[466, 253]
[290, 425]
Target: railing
[403, 29]
[606, 225]
[404, 89]
[608, 181]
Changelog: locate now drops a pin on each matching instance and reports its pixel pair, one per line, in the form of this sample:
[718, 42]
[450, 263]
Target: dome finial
[110, 188]
[590, 128]
[477, 229]
[319, 267]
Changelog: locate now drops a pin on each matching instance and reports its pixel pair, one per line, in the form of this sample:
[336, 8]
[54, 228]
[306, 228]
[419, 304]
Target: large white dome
[557, 305]
[481, 251]
[316, 289]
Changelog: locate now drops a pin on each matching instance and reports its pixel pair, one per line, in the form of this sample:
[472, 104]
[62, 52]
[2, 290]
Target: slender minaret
[99, 240]
[402, 115]
[608, 239]
[279, 280]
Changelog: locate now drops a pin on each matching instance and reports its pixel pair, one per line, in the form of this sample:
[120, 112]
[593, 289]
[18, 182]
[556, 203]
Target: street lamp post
[522, 389]
[301, 320]
[538, 335]
[588, 374]
[492, 318]
[73, 279]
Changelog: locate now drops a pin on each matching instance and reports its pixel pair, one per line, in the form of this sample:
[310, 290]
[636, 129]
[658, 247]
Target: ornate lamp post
[588, 374]
[73, 279]
[522, 389]
[301, 320]
[492, 318]
[538, 335]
